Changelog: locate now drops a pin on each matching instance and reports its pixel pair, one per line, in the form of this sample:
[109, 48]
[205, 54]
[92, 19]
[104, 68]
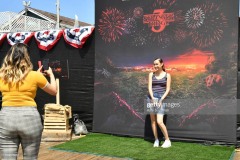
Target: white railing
[13, 22]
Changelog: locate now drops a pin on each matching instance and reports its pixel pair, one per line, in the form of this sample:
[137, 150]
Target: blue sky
[84, 9]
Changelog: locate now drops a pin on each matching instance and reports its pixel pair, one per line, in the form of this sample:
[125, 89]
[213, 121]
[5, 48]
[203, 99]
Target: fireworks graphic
[111, 24]
[139, 38]
[213, 27]
[130, 26]
[194, 18]
[163, 39]
[138, 12]
[180, 35]
[164, 3]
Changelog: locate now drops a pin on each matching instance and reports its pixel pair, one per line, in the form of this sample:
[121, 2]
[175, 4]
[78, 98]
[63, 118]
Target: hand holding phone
[45, 64]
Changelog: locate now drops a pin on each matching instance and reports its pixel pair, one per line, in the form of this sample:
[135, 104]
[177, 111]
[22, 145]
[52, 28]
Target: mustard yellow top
[23, 93]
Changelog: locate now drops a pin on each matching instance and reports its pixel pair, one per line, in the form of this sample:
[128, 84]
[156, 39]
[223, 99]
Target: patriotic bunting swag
[2, 37]
[19, 37]
[47, 39]
[77, 37]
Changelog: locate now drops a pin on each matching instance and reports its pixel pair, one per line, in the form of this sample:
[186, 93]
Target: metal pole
[58, 12]
[58, 92]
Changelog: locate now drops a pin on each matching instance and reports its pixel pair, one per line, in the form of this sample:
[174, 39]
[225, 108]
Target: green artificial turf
[139, 149]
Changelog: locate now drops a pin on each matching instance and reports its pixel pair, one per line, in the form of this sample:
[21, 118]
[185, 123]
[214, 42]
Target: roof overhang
[37, 13]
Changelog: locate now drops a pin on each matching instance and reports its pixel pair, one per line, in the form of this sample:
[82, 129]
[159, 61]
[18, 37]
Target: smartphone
[45, 64]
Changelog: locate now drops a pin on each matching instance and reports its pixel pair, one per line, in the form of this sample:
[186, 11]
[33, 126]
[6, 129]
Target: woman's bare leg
[162, 126]
[154, 125]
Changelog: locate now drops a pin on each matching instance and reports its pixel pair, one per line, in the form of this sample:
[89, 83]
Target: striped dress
[158, 88]
[159, 85]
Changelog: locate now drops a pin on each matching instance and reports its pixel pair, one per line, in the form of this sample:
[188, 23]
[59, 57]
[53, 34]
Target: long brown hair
[16, 64]
[161, 61]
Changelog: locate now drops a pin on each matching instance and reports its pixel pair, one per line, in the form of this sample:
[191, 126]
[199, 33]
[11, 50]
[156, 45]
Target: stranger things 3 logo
[158, 20]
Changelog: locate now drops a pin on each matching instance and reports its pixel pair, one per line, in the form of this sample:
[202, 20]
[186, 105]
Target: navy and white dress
[158, 88]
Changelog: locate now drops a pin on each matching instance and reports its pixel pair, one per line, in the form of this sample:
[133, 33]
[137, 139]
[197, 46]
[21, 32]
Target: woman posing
[159, 83]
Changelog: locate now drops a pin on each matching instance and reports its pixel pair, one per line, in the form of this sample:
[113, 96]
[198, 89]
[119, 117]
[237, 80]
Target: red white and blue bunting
[2, 37]
[19, 37]
[77, 37]
[47, 39]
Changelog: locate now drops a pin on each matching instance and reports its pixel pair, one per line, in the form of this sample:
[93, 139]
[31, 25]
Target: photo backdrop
[198, 41]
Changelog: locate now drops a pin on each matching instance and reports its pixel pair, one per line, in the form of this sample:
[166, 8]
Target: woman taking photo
[20, 121]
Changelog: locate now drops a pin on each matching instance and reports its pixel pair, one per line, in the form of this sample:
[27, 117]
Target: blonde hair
[16, 64]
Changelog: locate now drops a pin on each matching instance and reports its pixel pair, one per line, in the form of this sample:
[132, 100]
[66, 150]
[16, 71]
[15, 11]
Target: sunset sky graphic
[195, 59]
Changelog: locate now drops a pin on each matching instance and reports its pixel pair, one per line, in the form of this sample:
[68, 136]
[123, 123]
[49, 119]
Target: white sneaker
[156, 143]
[166, 144]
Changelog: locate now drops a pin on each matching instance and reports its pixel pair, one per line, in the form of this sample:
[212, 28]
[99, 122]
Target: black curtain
[77, 90]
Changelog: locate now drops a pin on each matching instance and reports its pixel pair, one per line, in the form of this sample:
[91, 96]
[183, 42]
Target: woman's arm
[168, 87]
[51, 88]
[150, 85]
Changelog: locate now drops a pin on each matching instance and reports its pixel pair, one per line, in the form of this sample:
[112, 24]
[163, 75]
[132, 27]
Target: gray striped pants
[20, 125]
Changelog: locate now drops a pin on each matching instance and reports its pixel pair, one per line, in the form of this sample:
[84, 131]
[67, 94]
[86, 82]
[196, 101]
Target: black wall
[77, 91]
